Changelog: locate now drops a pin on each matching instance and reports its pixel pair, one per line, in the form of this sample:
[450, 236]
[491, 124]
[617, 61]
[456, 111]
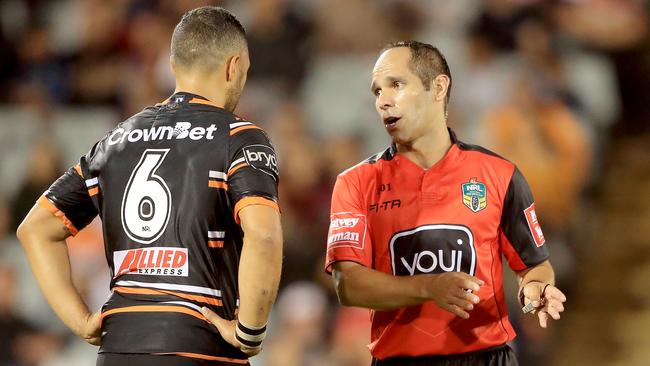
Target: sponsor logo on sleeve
[262, 158]
[533, 225]
[346, 230]
[156, 261]
[433, 249]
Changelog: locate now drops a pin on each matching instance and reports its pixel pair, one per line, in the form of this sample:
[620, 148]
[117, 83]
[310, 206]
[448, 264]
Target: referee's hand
[227, 330]
[552, 303]
[452, 291]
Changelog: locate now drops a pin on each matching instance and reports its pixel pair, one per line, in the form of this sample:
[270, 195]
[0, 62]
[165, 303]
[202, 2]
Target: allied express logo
[159, 261]
[474, 195]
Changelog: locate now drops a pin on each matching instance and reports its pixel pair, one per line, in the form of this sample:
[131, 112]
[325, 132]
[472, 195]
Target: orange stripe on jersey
[203, 101]
[77, 168]
[204, 357]
[215, 243]
[154, 309]
[45, 202]
[216, 184]
[242, 128]
[147, 291]
[93, 191]
[249, 201]
[236, 168]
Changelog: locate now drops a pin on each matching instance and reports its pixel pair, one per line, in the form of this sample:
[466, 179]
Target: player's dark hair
[426, 62]
[205, 36]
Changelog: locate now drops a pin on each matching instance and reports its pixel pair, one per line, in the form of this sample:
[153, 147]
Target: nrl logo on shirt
[474, 195]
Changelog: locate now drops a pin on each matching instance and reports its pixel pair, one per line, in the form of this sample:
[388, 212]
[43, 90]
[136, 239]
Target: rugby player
[187, 195]
[417, 232]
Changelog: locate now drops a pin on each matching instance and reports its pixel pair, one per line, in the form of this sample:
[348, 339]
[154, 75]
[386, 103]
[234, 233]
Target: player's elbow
[23, 229]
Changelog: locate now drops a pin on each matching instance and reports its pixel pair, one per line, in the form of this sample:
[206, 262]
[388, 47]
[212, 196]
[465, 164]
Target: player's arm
[253, 180]
[64, 208]
[357, 285]
[523, 244]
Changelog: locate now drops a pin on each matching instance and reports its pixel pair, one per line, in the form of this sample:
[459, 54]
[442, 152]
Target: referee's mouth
[391, 122]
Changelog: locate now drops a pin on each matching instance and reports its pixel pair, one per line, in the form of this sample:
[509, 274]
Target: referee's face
[405, 107]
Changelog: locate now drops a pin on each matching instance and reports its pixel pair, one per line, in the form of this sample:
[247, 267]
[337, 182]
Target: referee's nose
[385, 100]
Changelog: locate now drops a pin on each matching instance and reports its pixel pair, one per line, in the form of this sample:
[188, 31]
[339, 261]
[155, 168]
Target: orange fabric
[216, 184]
[242, 128]
[204, 357]
[155, 309]
[203, 101]
[248, 201]
[45, 202]
[148, 291]
[77, 168]
[93, 191]
[215, 243]
[236, 168]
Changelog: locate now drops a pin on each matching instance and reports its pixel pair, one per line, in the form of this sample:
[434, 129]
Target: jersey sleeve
[521, 237]
[348, 238]
[253, 170]
[69, 200]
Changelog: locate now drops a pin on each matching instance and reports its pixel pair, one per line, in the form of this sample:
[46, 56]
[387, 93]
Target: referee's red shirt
[462, 214]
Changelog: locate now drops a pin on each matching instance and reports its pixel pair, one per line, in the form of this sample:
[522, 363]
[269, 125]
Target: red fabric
[366, 216]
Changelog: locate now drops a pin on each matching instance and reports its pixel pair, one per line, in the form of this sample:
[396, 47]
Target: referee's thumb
[533, 292]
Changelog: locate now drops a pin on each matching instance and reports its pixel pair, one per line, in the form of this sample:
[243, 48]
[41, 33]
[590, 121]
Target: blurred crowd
[547, 84]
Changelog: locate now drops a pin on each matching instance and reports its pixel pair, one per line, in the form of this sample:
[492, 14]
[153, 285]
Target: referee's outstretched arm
[357, 285]
[259, 275]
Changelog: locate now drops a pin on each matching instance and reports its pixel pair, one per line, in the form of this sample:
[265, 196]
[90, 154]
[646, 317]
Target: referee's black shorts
[139, 359]
[497, 356]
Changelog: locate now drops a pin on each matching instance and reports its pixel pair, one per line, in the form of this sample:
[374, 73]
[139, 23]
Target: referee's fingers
[455, 309]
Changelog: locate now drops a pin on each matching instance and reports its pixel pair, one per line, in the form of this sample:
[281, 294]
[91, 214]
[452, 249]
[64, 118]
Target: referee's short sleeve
[253, 173]
[348, 238]
[521, 239]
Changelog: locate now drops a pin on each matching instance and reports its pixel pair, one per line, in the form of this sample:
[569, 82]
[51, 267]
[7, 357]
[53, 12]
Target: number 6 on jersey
[147, 203]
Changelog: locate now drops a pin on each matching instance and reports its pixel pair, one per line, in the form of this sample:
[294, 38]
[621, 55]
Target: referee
[417, 232]
[187, 195]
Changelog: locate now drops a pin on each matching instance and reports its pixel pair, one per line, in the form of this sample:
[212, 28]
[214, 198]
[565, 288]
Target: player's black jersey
[168, 184]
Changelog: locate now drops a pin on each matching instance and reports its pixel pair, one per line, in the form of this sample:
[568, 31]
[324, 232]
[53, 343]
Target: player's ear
[440, 87]
[232, 65]
[172, 65]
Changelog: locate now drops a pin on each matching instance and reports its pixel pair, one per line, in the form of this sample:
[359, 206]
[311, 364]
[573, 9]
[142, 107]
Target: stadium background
[562, 88]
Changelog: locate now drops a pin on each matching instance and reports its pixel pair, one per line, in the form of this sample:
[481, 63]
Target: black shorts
[139, 359]
[497, 356]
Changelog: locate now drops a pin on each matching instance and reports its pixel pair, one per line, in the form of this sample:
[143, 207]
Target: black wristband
[249, 336]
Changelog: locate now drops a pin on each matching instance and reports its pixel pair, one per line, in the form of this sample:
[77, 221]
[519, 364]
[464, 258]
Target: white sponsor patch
[346, 230]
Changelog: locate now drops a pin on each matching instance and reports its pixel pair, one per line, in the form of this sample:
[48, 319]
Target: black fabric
[498, 356]
[70, 195]
[170, 162]
[137, 359]
[514, 224]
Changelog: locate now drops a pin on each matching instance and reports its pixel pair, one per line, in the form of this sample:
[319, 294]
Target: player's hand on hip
[546, 299]
[452, 291]
[227, 330]
[91, 330]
